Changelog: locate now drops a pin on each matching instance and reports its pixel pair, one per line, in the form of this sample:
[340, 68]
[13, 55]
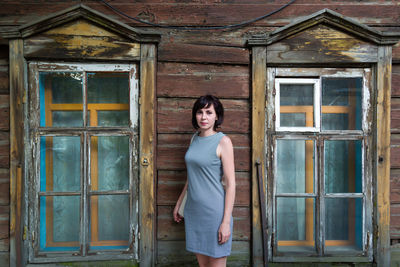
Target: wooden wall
[4, 157]
[194, 63]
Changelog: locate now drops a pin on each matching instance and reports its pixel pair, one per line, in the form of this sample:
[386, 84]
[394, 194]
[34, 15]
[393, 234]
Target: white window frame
[317, 107]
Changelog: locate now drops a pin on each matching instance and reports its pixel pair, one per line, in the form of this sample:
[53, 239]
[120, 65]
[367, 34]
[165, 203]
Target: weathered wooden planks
[395, 80]
[203, 53]
[80, 39]
[171, 150]
[174, 252]
[172, 231]
[170, 185]
[191, 80]
[321, 44]
[174, 115]
[210, 12]
[384, 70]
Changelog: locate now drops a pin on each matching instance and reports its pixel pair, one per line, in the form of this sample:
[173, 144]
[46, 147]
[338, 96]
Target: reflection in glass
[296, 105]
[59, 223]
[58, 88]
[342, 96]
[67, 118]
[343, 166]
[110, 162]
[106, 87]
[295, 224]
[296, 94]
[109, 222]
[60, 169]
[113, 118]
[293, 120]
[335, 121]
[343, 224]
[295, 166]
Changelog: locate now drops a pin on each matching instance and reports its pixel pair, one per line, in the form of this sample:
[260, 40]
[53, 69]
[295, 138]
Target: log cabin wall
[4, 156]
[190, 64]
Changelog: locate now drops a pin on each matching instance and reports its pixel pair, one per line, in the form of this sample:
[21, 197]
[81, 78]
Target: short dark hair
[206, 101]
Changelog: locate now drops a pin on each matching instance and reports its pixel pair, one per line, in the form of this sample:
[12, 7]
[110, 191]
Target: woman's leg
[203, 260]
[217, 262]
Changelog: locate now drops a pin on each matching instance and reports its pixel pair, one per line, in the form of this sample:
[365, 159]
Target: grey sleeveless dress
[204, 209]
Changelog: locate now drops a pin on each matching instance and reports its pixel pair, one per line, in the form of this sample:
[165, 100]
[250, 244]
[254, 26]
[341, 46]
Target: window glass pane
[342, 96]
[293, 119]
[335, 121]
[343, 166]
[343, 224]
[295, 224]
[60, 166]
[297, 99]
[59, 223]
[67, 118]
[109, 222]
[113, 118]
[108, 87]
[59, 91]
[295, 166]
[110, 162]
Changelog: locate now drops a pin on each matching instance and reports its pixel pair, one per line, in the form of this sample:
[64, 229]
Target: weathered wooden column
[383, 73]
[147, 158]
[259, 76]
[16, 148]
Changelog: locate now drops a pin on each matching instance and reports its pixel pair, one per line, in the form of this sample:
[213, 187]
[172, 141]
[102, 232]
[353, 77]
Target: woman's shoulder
[225, 140]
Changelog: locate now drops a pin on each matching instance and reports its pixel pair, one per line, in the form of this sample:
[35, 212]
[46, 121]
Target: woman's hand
[177, 218]
[224, 232]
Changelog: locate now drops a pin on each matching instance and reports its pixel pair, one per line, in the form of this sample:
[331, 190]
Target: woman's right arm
[177, 217]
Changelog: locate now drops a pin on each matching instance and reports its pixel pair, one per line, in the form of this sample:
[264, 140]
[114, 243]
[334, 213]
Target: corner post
[259, 79]
[16, 148]
[148, 66]
[384, 71]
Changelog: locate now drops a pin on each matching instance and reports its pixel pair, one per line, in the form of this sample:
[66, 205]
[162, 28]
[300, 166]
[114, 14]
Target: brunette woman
[208, 209]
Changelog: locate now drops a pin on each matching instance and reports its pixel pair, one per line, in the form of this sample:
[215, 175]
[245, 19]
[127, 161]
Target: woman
[208, 209]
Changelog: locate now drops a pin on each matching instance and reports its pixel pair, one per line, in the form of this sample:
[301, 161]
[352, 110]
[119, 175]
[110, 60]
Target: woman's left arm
[226, 154]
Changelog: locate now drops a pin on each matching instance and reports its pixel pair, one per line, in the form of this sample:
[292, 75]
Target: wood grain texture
[175, 115]
[177, 52]
[4, 112]
[4, 149]
[192, 80]
[383, 153]
[167, 229]
[175, 252]
[321, 44]
[16, 148]
[171, 150]
[259, 83]
[396, 80]
[147, 215]
[209, 12]
[83, 40]
[170, 185]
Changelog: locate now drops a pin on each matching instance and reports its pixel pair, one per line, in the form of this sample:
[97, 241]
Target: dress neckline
[204, 137]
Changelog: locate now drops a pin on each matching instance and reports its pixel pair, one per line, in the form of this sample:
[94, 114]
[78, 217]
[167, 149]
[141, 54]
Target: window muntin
[319, 200]
[86, 144]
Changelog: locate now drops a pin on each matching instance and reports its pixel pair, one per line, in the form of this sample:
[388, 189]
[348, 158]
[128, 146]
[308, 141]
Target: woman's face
[206, 117]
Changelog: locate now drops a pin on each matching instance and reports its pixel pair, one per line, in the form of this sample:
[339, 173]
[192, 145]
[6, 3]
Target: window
[320, 194]
[85, 134]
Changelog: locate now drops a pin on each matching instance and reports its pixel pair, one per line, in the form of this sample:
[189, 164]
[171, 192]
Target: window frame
[274, 132]
[85, 133]
[316, 104]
